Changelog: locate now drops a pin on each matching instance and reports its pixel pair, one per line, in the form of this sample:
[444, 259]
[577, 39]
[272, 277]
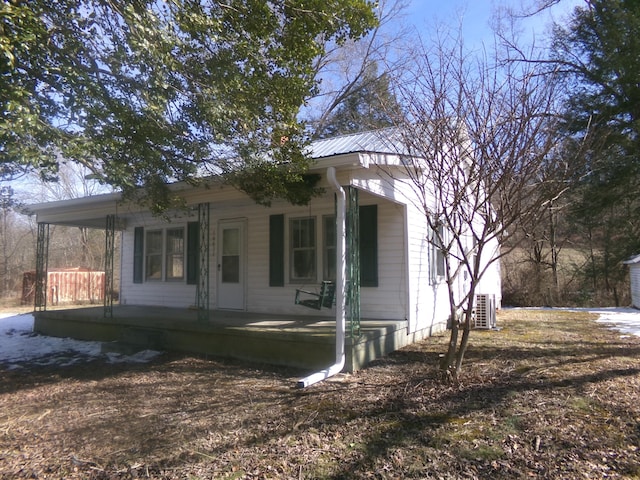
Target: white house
[225, 253]
[634, 278]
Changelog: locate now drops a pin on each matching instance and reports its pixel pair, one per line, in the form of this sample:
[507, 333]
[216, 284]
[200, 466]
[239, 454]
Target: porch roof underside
[91, 212]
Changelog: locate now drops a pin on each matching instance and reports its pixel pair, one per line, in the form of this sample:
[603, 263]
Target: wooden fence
[66, 286]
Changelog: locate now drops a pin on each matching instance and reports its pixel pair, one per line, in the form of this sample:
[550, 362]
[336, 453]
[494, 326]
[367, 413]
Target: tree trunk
[448, 361]
[464, 342]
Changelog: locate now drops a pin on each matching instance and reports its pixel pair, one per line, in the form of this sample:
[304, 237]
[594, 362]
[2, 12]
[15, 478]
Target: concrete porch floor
[306, 342]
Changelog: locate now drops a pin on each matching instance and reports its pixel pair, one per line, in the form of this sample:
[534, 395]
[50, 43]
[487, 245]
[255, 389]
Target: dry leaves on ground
[550, 395]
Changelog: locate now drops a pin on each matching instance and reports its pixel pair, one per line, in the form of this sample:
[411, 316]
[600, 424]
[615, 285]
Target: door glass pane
[231, 269]
[230, 241]
[230, 255]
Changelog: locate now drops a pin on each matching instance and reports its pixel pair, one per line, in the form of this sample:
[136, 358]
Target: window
[303, 253]
[302, 244]
[153, 257]
[329, 245]
[439, 267]
[175, 254]
[164, 254]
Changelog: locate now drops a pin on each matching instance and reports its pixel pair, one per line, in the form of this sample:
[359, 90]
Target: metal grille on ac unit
[485, 310]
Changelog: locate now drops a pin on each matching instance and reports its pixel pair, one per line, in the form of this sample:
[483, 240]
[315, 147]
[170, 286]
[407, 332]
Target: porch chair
[325, 298]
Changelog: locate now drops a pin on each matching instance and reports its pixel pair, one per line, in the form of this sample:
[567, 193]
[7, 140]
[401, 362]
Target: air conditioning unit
[485, 311]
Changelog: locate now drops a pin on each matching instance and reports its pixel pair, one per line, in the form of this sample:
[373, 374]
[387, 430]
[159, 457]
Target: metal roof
[633, 260]
[379, 141]
[91, 211]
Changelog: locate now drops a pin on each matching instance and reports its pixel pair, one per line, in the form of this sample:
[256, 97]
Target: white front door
[231, 265]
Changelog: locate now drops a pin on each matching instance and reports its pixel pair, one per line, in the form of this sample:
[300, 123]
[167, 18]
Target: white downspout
[341, 273]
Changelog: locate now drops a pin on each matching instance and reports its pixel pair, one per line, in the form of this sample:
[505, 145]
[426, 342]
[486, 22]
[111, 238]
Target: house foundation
[294, 341]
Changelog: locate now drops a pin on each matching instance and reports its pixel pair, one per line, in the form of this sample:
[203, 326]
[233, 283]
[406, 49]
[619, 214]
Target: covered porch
[188, 313]
[293, 340]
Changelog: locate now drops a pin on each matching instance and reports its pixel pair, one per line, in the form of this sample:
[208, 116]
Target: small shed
[634, 278]
[67, 286]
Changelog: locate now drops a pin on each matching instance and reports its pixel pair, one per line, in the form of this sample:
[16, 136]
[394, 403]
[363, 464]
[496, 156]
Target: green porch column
[42, 260]
[353, 261]
[109, 252]
[202, 289]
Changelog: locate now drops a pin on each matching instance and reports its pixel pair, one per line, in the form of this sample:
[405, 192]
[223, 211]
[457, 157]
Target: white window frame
[164, 255]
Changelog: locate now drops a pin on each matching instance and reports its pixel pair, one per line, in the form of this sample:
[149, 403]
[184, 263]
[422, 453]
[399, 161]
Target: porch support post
[202, 289]
[109, 251]
[353, 261]
[42, 261]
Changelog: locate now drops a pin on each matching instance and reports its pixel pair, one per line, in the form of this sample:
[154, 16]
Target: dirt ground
[551, 395]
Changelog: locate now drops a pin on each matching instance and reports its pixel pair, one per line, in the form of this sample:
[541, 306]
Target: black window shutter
[193, 252]
[369, 246]
[276, 250]
[138, 253]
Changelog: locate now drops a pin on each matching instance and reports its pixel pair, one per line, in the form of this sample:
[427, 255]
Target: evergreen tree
[371, 105]
[599, 51]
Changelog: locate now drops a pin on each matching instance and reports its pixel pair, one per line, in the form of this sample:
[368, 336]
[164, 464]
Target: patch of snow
[19, 345]
[140, 357]
[625, 320]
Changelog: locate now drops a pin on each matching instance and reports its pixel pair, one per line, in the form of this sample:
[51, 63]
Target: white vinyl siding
[172, 293]
[634, 277]
[405, 289]
[387, 301]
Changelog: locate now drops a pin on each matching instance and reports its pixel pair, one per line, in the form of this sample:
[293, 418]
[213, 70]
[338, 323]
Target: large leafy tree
[599, 51]
[147, 91]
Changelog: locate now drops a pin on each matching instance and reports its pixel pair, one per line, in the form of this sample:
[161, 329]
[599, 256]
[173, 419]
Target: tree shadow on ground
[419, 417]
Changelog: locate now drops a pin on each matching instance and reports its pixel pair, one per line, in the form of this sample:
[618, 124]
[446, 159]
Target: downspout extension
[341, 273]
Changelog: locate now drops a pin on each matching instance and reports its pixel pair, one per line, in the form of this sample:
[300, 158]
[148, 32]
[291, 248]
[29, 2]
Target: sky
[423, 15]
[20, 347]
[475, 16]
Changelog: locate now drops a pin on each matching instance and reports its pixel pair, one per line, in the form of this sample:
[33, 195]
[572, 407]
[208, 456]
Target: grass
[551, 395]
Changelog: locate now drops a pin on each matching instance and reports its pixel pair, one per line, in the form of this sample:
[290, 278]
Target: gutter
[341, 272]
